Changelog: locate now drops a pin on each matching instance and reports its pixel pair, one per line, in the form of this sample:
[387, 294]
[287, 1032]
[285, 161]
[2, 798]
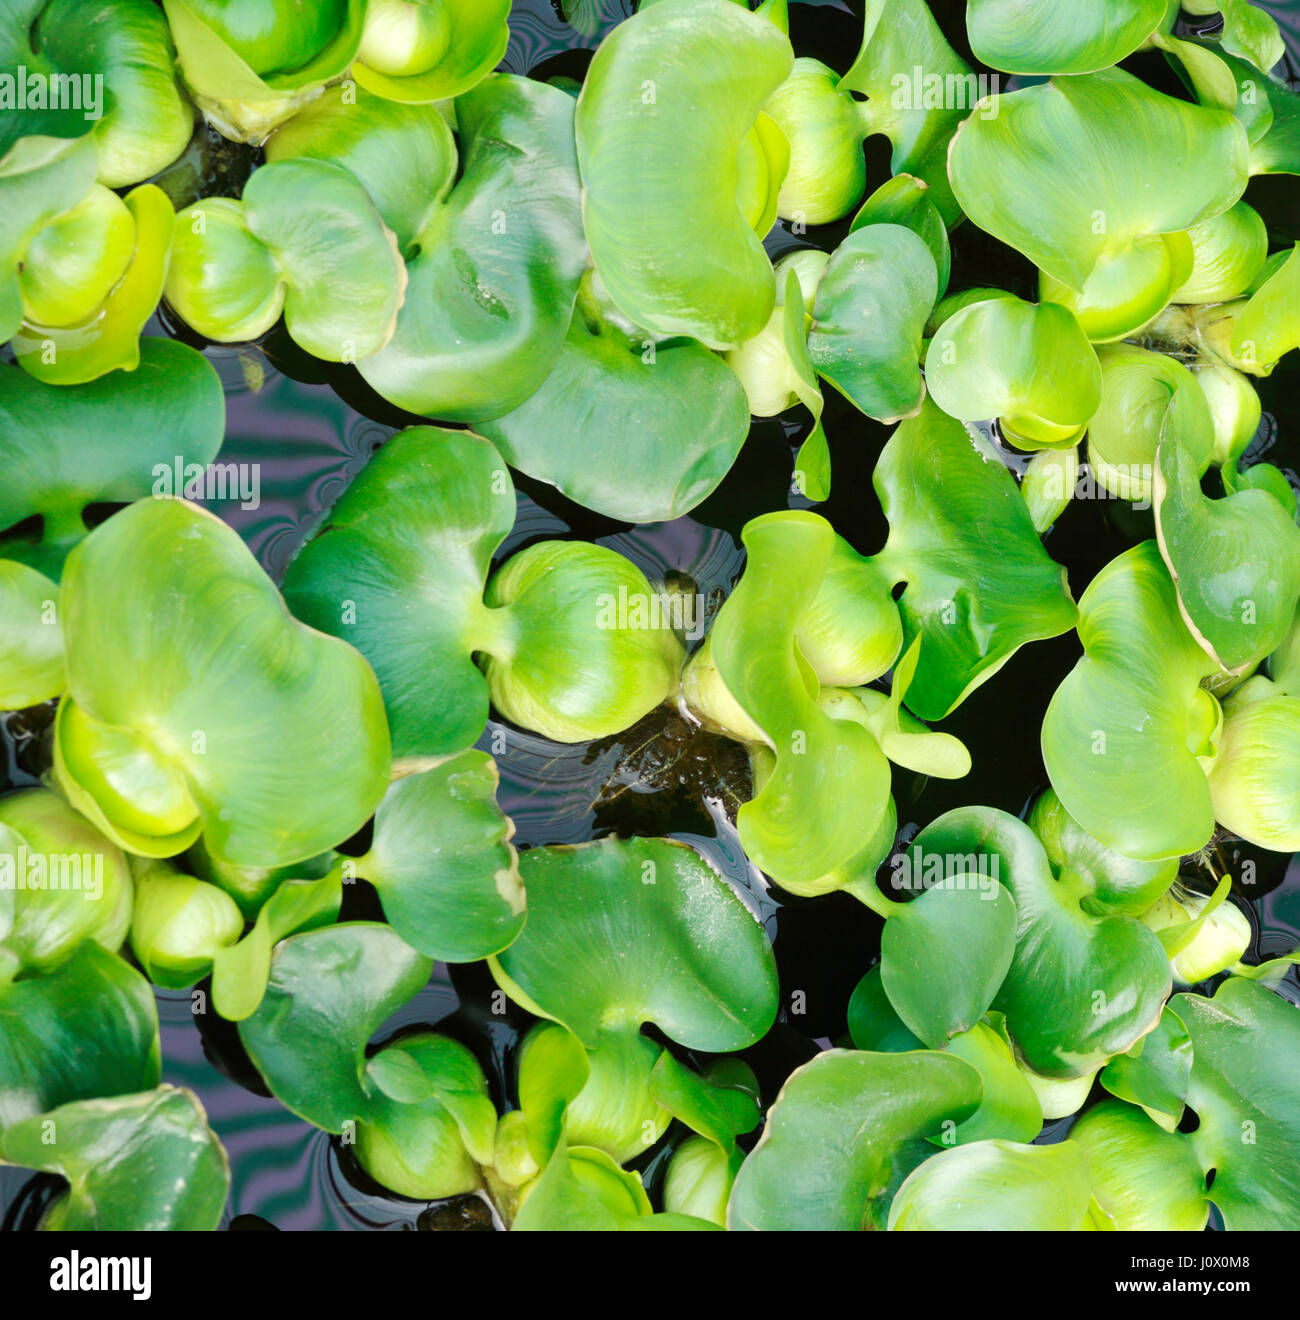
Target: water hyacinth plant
[699, 635]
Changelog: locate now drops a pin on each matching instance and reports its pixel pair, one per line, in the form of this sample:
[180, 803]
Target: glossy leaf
[408, 547]
[625, 932]
[676, 402]
[137, 119]
[442, 861]
[109, 441]
[663, 131]
[1028, 365]
[143, 1162]
[947, 505]
[492, 287]
[1049, 176]
[1039, 37]
[902, 53]
[31, 646]
[109, 340]
[61, 882]
[831, 768]
[275, 749]
[403, 155]
[872, 304]
[1123, 733]
[430, 51]
[86, 1029]
[846, 1129]
[330, 990]
[996, 1186]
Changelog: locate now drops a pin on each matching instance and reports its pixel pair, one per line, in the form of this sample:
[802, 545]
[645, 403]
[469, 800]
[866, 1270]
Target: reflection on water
[311, 427]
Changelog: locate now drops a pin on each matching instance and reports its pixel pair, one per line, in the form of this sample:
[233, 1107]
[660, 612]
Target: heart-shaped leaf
[677, 402]
[492, 286]
[665, 131]
[330, 991]
[624, 932]
[1047, 175]
[141, 1162]
[1029, 365]
[89, 1028]
[948, 506]
[112, 440]
[275, 749]
[845, 1131]
[1124, 732]
[443, 864]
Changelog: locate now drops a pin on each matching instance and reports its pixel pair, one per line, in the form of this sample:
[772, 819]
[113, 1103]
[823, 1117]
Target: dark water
[311, 427]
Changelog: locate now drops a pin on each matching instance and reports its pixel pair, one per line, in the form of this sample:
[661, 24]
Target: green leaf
[1153, 1072]
[275, 749]
[88, 1028]
[1254, 783]
[844, 1132]
[624, 932]
[330, 990]
[109, 339]
[1048, 176]
[1009, 1109]
[1029, 365]
[141, 1162]
[906, 200]
[403, 155]
[1104, 880]
[871, 308]
[180, 924]
[112, 440]
[824, 128]
[31, 646]
[1124, 733]
[872, 1020]
[1040, 37]
[1081, 987]
[309, 238]
[752, 644]
[137, 119]
[1229, 252]
[945, 953]
[62, 882]
[553, 1069]
[249, 67]
[1244, 1078]
[678, 403]
[1269, 325]
[1235, 561]
[584, 1190]
[670, 163]
[979, 583]
[429, 1123]
[902, 48]
[996, 1186]
[720, 1107]
[432, 50]
[1137, 388]
[40, 179]
[408, 548]
[443, 864]
[1143, 1177]
[492, 287]
[240, 972]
